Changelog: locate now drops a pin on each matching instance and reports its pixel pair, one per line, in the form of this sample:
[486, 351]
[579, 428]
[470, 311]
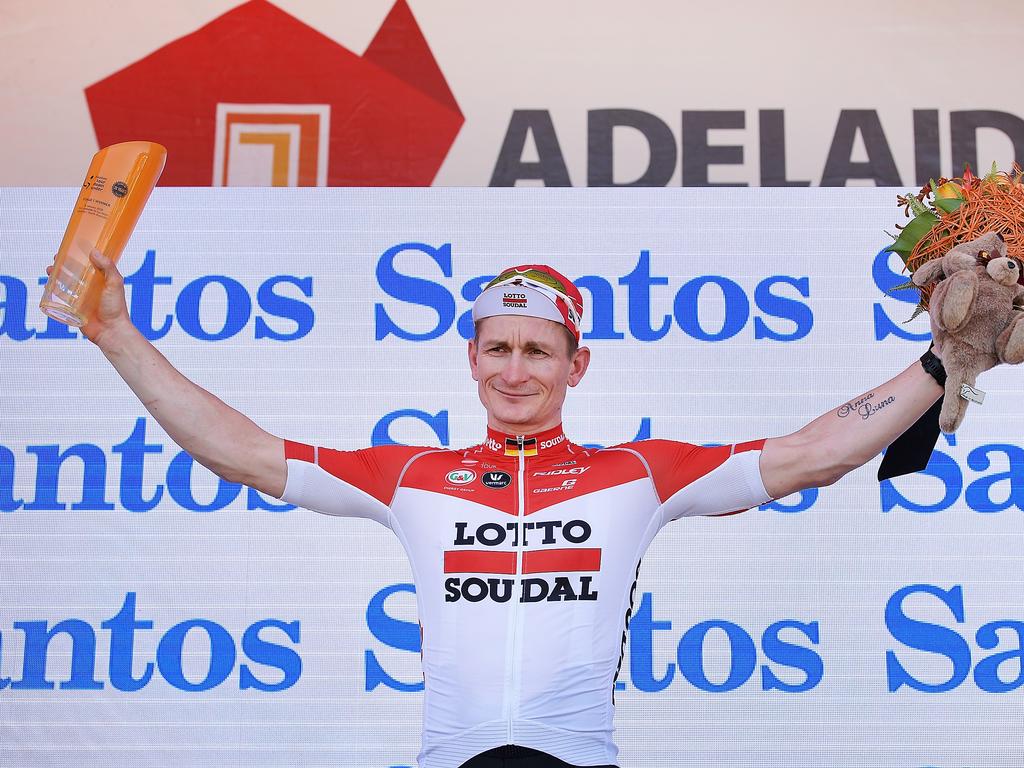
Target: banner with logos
[468, 93]
[156, 615]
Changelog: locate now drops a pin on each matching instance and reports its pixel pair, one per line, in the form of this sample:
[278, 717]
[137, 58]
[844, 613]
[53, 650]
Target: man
[526, 547]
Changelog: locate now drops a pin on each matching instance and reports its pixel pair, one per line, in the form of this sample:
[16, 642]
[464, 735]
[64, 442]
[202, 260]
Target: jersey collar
[550, 441]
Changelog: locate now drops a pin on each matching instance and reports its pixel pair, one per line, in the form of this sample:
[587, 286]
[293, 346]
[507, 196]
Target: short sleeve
[694, 480]
[347, 483]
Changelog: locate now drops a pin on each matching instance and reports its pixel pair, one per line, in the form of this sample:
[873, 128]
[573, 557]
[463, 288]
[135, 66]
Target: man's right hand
[111, 309]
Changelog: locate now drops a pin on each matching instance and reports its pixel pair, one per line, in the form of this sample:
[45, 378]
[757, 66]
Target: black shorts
[514, 756]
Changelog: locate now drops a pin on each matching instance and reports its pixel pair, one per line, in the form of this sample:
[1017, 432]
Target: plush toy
[977, 316]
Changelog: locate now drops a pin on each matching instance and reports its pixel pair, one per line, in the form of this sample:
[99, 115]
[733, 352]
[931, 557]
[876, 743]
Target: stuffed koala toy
[977, 315]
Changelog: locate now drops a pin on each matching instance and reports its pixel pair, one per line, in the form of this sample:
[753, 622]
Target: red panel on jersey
[451, 474]
[372, 470]
[554, 560]
[544, 488]
[676, 465]
[476, 561]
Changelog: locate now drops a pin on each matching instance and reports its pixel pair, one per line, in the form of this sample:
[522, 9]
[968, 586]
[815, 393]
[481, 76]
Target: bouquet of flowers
[948, 212]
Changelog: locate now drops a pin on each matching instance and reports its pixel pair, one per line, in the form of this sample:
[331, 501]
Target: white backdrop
[308, 604]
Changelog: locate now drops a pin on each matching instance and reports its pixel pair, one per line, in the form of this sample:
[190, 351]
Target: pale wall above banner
[421, 92]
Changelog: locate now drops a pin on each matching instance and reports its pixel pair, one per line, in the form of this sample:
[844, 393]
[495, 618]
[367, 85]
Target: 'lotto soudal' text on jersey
[524, 552]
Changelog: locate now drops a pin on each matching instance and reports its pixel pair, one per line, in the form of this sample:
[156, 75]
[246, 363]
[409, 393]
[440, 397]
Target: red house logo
[257, 98]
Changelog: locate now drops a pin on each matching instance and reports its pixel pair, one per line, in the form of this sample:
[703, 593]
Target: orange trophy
[117, 186]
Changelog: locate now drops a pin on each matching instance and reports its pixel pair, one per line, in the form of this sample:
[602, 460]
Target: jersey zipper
[513, 692]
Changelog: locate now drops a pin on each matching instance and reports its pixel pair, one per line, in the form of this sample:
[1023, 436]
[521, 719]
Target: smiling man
[527, 331]
[524, 548]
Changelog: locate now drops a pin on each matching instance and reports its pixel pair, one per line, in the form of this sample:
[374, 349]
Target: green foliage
[911, 234]
[949, 204]
[902, 286]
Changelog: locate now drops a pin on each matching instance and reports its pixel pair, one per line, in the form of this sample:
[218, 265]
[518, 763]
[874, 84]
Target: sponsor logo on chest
[555, 564]
[496, 479]
[569, 471]
[460, 476]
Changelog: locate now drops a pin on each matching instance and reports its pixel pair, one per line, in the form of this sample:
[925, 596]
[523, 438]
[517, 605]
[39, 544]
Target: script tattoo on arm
[863, 407]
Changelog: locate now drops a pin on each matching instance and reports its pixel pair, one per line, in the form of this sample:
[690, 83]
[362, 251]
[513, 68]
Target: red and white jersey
[525, 552]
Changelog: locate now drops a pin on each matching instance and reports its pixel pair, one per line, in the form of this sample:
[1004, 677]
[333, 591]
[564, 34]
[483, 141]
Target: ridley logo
[461, 476]
[572, 471]
[288, 106]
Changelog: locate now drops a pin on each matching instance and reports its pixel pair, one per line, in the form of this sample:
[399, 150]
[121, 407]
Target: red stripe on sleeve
[469, 561]
[553, 560]
[750, 445]
[299, 451]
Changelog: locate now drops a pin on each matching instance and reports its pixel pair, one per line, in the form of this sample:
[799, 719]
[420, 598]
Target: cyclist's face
[522, 369]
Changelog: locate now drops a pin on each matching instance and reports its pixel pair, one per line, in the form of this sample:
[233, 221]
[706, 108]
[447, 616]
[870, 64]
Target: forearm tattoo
[863, 407]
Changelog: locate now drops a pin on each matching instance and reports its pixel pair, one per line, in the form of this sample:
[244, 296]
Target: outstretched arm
[848, 436]
[214, 434]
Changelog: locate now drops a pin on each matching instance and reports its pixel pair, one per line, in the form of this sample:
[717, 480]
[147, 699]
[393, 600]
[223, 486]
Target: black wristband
[933, 365]
[911, 451]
